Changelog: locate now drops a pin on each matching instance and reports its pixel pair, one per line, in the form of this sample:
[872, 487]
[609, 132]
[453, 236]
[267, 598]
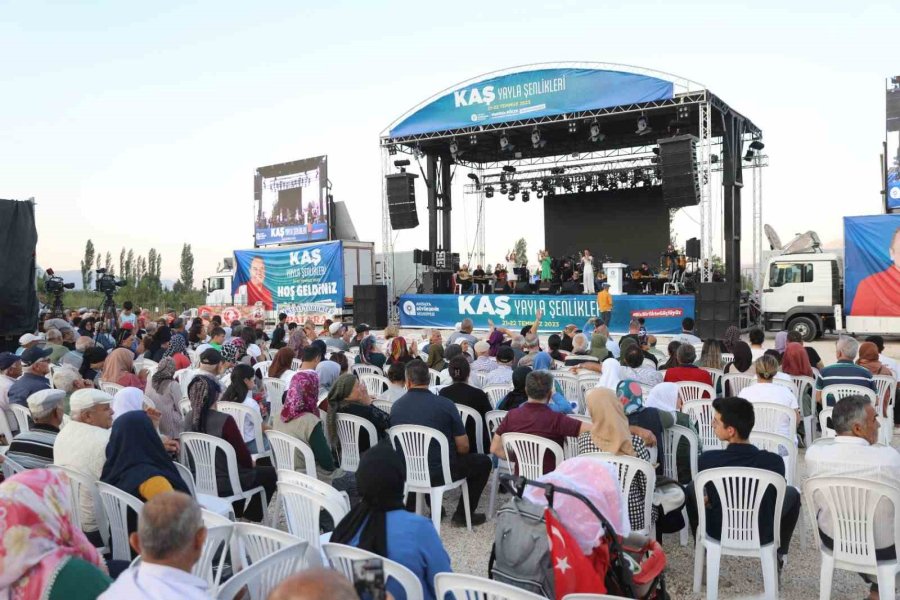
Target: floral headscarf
[232, 351]
[203, 392]
[297, 341]
[302, 396]
[732, 336]
[177, 345]
[165, 371]
[368, 353]
[37, 535]
[631, 395]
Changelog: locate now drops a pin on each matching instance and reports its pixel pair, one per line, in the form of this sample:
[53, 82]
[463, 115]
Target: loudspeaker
[417, 256]
[716, 307]
[692, 248]
[437, 282]
[522, 287]
[19, 304]
[426, 258]
[401, 195]
[571, 287]
[678, 163]
[370, 305]
[454, 261]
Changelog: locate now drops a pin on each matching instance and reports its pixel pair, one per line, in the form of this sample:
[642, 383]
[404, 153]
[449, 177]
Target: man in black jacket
[278, 334]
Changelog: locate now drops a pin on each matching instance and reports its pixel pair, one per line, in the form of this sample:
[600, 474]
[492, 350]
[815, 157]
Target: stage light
[454, 149]
[545, 184]
[567, 184]
[473, 139]
[596, 135]
[511, 196]
[757, 145]
[525, 196]
[540, 194]
[503, 188]
[474, 178]
[713, 158]
[749, 155]
[515, 188]
[656, 150]
[551, 192]
[536, 141]
[505, 146]
[401, 163]
[643, 126]
[684, 113]
[392, 150]
[509, 168]
[573, 127]
[489, 191]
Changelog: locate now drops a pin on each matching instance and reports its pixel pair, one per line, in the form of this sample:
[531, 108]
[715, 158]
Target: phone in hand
[368, 579]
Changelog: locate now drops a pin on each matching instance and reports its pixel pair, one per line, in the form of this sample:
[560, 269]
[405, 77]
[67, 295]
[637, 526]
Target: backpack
[521, 553]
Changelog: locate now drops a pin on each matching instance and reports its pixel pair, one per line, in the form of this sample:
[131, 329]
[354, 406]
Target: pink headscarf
[37, 535]
[302, 396]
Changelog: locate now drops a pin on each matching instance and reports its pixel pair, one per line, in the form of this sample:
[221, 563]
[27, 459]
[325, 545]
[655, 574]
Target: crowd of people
[129, 435]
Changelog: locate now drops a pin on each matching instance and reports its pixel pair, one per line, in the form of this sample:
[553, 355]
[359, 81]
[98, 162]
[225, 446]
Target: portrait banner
[872, 266]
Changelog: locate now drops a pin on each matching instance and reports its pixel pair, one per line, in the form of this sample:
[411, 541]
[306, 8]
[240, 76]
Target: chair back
[741, 492]
[116, 504]
[467, 413]
[262, 369]
[275, 394]
[778, 444]
[851, 506]
[701, 414]
[348, 430]
[5, 429]
[322, 488]
[843, 390]
[733, 383]
[801, 384]
[478, 378]
[375, 384]
[202, 448]
[11, 467]
[824, 415]
[887, 388]
[284, 452]
[187, 375]
[688, 391]
[240, 414]
[302, 507]
[470, 587]
[493, 418]
[383, 405]
[110, 388]
[717, 375]
[727, 357]
[673, 436]
[207, 567]
[570, 447]
[342, 557]
[361, 369]
[435, 377]
[414, 441]
[252, 543]
[23, 417]
[264, 575]
[497, 392]
[571, 388]
[528, 452]
[773, 418]
[187, 476]
[296, 363]
[628, 468]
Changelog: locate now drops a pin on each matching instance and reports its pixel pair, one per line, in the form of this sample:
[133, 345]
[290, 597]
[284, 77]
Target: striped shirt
[34, 449]
[844, 372]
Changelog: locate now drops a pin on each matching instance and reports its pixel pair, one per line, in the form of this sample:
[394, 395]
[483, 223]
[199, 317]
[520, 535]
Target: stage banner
[662, 314]
[313, 274]
[232, 313]
[872, 266]
[533, 94]
[317, 312]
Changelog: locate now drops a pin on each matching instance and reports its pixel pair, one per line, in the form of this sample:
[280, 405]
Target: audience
[54, 342]
[240, 391]
[765, 390]
[634, 368]
[743, 359]
[517, 396]
[396, 383]
[757, 338]
[76, 356]
[869, 358]
[399, 353]
[687, 333]
[349, 396]
[886, 360]
[368, 350]
[711, 354]
[462, 393]
[464, 333]
[314, 584]
[502, 374]
[844, 371]
[33, 449]
[686, 369]
[814, 359]
[483, 362]
[281, 365]
[119, 369]
[672, 361]
[165, 393]
[35, 366]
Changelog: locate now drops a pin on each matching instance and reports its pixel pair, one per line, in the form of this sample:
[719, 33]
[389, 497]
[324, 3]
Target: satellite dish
[805, 243]
[228, 263]
[774, 240]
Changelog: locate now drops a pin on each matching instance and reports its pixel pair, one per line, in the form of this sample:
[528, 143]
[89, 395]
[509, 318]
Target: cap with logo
[8, 359]
[29, 338]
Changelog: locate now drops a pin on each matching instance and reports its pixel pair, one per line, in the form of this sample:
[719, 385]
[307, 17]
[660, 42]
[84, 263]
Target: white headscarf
[663, 396]
[609, 377]
[127, 400]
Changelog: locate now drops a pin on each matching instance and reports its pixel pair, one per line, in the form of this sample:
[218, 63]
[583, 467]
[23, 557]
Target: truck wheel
[805, 327]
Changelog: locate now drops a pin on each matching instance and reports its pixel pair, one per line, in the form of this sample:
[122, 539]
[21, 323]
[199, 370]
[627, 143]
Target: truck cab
[800, 292]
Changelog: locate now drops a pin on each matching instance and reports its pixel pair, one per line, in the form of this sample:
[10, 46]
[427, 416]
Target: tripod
[108, 312]
[57, 311]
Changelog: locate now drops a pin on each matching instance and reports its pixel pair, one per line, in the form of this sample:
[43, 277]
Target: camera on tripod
[56, 285]
[107, 283]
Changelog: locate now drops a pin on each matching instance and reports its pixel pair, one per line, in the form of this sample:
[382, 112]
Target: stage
[662, 314]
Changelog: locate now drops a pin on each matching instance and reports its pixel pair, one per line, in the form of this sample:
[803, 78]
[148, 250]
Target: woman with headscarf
[92, 363]
[165, 393]
[436, 357]
[281, 365]
[558, 402]
[177, 350]
[299, 418]
[598, 346]
[609, 374]
[381, 524]
[43, 553]
[240, 391]
[204, 418]
[297, 340]
[743, 359]
[630, 394]
[517, 396]
[796, 361]
[732, 337]
[119, 369]
[159, 344]
[610, 433]
[349, 395]
[868, 358]
[781, 342]
[624, 344]
[369, 354]
[328, 372]
[127, 400]
[468, 395]
[399, 353]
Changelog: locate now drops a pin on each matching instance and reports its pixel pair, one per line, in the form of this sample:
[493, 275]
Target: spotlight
[567, 184]
[536, 141]
[757, 145]
[454, 149]
[540, 194]
[503, 188]
[573, 127]
[713, 158]
[749, 156]
[489, 191]
[545, 184]
[515, 188]
[392, 150]
[509, 168]
[473, 139]
[656, 150]
[505, 146]
[525, 196]
[511, 196]
[596, 135]
[684, 113]
[643, 126]
[474, 178]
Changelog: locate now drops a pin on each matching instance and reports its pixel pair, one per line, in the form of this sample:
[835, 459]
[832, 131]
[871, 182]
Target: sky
[140, 125]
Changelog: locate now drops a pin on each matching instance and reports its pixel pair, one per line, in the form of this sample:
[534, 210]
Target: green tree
[521, 251]
[130, 265]
[108, 264]
[151, 262]
[122, 269]
[99, 257]
[187, 267]
[158, 268]
[86, 264]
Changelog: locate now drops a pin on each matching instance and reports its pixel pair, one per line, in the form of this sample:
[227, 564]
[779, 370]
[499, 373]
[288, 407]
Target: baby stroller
[631, 567]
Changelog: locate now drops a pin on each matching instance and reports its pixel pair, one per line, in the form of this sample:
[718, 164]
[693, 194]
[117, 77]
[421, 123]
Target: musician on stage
[464, 278]
[545, 260]
[587, 262]
[644, 272]
[671, 256]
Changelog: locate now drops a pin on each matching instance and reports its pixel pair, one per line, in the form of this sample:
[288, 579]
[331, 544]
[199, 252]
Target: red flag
[573, 572]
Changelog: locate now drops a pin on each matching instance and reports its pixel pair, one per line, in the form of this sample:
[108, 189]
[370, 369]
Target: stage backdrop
[629, 226]
[663, 314]
[872, 266]
[313, 274]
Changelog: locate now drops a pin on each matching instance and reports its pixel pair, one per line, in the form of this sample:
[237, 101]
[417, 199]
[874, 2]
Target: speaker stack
[692, 248]
[437, 282]
[678, 163]
[370, 305]
[401, 196]
[716, 308]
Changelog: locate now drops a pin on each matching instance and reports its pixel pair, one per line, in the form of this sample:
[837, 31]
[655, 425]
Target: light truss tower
[706, 230]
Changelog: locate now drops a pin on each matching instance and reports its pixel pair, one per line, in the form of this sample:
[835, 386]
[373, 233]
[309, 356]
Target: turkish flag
[573, 572]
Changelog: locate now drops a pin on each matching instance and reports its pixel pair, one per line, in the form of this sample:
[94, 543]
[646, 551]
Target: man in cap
[54, 342]
[36, 365]
[10, 370]
[362, 332]
[33, 449]
[502, 375]
[82, 446]
[29, 340]
[483, 362]
[335, 337]
[211, 364]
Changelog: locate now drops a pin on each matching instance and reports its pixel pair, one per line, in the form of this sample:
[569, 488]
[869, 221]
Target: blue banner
[532, 94]
[291, 234]
[893, 188]
[872, 266]
[662, 314]
[311, 274]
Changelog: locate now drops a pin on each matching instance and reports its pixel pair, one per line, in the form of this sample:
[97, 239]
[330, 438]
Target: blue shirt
[25, 386]
[844, 372]
[413, 542]
[420, 407]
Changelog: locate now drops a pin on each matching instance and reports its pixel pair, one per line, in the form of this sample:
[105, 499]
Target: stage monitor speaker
[401, 195]
[522, 287]
[692, 248]
[715, 309]
[417, 256]
[426, 258]
[678, 163]
[370, 305]
[437, 282]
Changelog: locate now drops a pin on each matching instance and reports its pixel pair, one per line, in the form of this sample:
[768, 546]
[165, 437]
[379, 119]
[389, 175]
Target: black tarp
[18, 298]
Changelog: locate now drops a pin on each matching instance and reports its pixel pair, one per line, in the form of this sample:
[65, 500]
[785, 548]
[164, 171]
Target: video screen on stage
[292, 202]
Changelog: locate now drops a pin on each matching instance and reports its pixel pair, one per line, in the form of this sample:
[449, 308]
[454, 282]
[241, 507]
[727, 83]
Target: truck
[803, 287]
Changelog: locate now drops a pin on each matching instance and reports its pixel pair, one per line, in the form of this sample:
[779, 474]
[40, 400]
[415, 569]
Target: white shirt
[889, 362]
[848, 456]
[83, 447]
[776, 394]
[287, 376]
[149, 581]
[249, 431]
[613, 347]
[686, 337]
[502, 375]
[756, 352]
[5, 383]
[254, 351]
[394, 392]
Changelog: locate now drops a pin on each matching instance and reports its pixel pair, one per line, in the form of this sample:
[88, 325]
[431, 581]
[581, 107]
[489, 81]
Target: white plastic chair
[81, 483]
[341, 558]
[851, 506]
[240, 414]
[740, 492]
[361, 369]
[296, 363]
[496, 393]
[284, 452]
[321, 487]
[717, 375]
[689, 391]
[302, 506]
[493, 418]
[207, 501]
[11, 467]
[415, 441]
[470, 587]
[733, 383]
[467, 413]
[264, 575]
[202, 448]
[886, 387]
[383, 405]
[627, 468]
[262, 368]
[671, 439]
[800, 385]
[570, 448]
[843, 390]
[110, 388]
[5, 430]
[275, 394]
[207, 567]
[701, 414]
[727, 358]
[780, 445]
[775, 418]
[116, 504]
[587, 382]
[824, 415]
[435, 377]
[528, 451]
[571, 390]
[348, 430]
[251, 543]
[375, 384]
[23, 415]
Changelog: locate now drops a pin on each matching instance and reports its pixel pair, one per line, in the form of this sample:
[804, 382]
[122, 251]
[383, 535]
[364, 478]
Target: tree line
[135, 269]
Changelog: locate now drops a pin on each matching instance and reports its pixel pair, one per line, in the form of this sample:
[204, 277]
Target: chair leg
[699, 555]
[826, 573]
[886, 582]
[465, 498]
[495, 485]
[437, 502]
[420, 503]
[769, 571]
[684, 535]
[713, 558]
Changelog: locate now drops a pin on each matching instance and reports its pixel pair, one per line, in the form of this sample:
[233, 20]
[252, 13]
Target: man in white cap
[82, 446]
[335, 337]
[29, 340]
[34, 448]
[483, 362]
